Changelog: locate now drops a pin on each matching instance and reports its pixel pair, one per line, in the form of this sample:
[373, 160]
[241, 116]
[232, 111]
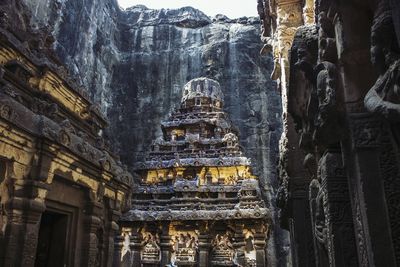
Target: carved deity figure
[302, 95]
[184, 248]
[223, 245]
[384, 97]
[328, 119]
[151, 248]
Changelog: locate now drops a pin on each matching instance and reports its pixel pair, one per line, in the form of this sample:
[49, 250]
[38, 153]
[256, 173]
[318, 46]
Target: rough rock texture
[135, 62]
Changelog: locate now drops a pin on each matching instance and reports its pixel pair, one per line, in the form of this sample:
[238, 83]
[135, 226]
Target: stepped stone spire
[196, 184]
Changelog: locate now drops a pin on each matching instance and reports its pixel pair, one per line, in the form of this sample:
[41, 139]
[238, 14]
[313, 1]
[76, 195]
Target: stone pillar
[371, 222]
[260, 243]
[165, 245]
[238, 244]
[112, 230]
[118, 244]
[135, 245]
[260, 246]
[300, 225]
[204, 249]
[92, 222]
[24, 211]
[339, 222]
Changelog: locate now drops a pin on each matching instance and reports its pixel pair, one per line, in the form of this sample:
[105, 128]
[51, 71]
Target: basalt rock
[135, 61]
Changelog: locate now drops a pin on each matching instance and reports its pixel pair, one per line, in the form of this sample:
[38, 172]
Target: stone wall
[340, 151]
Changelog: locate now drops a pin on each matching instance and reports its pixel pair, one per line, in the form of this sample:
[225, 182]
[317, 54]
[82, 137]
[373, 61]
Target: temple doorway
[52, 239]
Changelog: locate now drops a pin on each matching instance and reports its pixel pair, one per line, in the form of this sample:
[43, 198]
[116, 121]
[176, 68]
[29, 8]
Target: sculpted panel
[151, 253]
[384, 97]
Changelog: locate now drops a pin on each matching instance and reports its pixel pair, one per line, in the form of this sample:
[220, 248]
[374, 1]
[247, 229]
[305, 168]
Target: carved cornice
[51, 79]
[182, 215]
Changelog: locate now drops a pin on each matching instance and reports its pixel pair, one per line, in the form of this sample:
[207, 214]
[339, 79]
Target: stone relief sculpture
[345, 121]
[185, 247]
[314, 102]
[384, 97]
[222, 250]
[302, 94]
[320, 229]
[126, 254]
[249, 249]
[328, 120]
[151, 248]
[383, 100]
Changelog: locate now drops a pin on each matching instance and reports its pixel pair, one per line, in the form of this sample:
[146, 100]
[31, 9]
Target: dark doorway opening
[52, 239]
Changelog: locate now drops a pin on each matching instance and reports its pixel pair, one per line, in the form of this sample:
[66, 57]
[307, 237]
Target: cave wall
[135, 62]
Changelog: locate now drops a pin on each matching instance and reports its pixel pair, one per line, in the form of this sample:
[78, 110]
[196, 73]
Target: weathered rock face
[136, 61]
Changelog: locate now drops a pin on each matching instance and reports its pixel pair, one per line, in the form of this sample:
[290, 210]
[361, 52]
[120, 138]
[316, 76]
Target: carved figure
[384, 97]
[185, 248]
[328, 117]
[151, 249]
[302, 95]
[223, 251]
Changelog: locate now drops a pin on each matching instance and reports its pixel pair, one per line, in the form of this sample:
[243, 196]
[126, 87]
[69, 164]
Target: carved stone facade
[196, 198]
[61, 189]
[340, 163]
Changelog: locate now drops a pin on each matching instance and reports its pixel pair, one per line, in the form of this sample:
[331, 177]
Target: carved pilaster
[204, 249]
[24, 223]
[92, 222]
[112, 229]
[118, 245]
[165, 245]
[238, 244]
[260, 246]
[21, 234]
[289, 18]
[340, 240]
[135, 245]
[368, 201]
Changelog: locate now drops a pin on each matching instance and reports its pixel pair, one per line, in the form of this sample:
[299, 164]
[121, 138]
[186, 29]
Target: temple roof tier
[186, 162]
[202, 87]
[196, 171]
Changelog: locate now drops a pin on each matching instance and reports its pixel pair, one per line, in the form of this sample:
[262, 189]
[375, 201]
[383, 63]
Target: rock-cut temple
[197, 203]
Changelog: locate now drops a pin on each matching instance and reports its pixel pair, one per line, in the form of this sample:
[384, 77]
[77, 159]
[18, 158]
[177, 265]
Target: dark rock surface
[135, 62]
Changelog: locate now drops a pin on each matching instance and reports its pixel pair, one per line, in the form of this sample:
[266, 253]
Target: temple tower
[197, 202]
